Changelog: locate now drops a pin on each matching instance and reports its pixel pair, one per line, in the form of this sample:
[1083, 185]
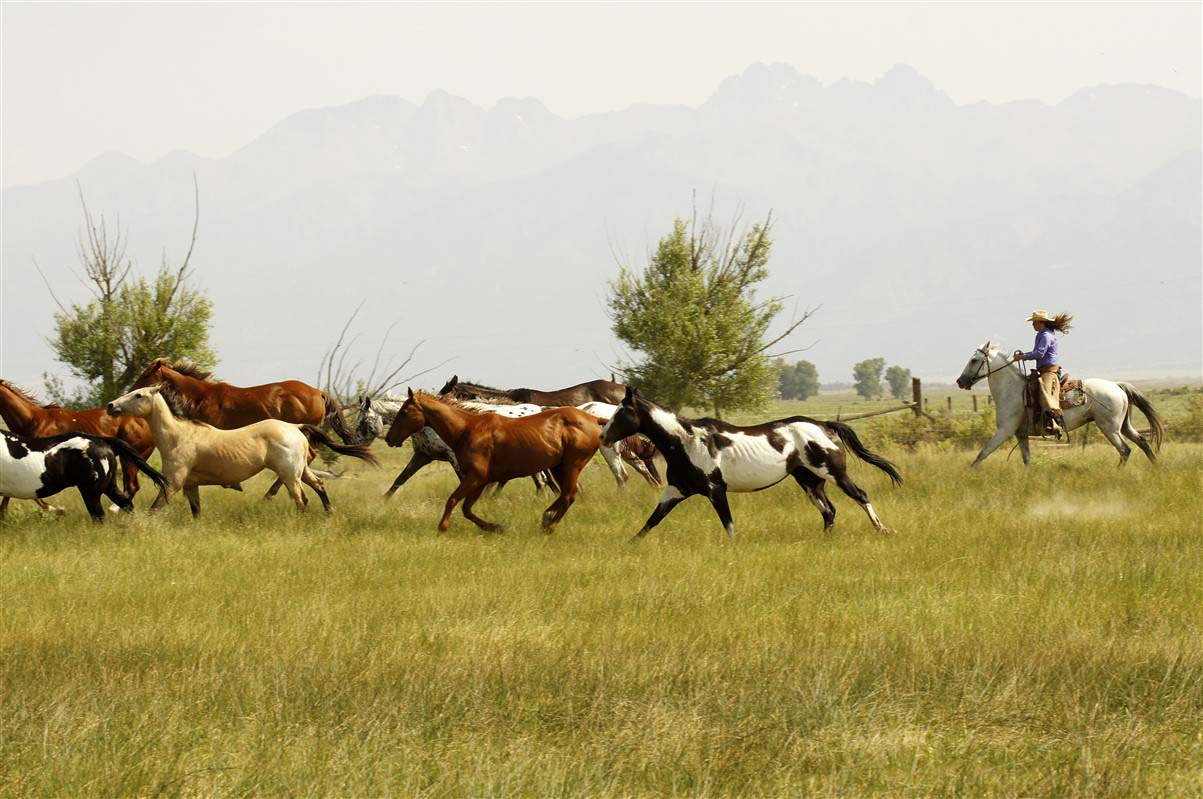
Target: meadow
[1024, 633]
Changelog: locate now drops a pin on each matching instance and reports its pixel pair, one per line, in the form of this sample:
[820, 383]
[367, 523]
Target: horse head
[152, 375]
[978, 366]
[370, 424]
[139, 402]
[410, 419]
[625, 421]
[449, 385]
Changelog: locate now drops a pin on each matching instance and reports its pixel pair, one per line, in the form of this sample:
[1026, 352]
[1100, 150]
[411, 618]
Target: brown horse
[228, 407]
[26, 416]
[592, 391]
[492, 449]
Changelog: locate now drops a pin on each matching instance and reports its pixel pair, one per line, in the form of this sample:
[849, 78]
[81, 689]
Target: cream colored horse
[196, 454]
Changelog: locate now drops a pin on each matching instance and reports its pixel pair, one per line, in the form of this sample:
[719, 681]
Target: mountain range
[919, 227]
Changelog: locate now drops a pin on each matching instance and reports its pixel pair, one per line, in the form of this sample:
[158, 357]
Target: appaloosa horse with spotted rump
[710, 457]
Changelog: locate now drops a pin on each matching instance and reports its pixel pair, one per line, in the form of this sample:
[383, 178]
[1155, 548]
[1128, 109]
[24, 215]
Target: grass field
[1025, 633]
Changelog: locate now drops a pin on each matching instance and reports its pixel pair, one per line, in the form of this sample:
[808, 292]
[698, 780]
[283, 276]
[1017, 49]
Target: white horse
[1108, 404]
[196, 454]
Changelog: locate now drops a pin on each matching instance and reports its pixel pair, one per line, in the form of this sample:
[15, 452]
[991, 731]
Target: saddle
[1072, 394]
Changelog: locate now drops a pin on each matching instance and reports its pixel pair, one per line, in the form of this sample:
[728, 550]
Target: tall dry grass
[1031, 633]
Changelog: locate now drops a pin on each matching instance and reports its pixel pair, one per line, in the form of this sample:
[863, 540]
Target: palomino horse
[592, 391]
[32, 468]
[1108, 405]
[25, 416]
[493, 449]
[196, 454]
[710, 457]
[228, 406]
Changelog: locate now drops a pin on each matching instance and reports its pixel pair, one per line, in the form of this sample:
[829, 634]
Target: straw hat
[1040, 316]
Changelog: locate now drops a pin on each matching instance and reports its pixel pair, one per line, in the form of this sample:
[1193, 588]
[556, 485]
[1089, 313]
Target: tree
[798, 381]
[130, 321]
[866, 376]
[693, 315]
[899, 380]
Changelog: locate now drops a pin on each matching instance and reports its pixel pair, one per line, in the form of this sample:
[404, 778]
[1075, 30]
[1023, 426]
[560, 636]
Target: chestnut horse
[492, 449]
[228, 407]
[27, 417]
[592, 391]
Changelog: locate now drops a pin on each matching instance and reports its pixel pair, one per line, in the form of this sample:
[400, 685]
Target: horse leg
[92, 503]
[614, 461]
[466, 487]
[649, 471]
[669, 499]
[1134, 436]
[812, 484]
[313, 481]
[1024, 449]
[175, 482]
[857, 493]
[192, 494]
[271, 492]
[416, 463]
[129, 476]
[1000, 435]
[567, 478]
[718, 498]
[1118, 442]
[469, 501]
[119, 497]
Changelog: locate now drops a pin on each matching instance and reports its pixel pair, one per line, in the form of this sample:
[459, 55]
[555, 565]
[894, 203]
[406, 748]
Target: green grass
[1031, 633]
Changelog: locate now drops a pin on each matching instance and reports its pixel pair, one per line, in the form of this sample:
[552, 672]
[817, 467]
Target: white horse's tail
[1156, 423]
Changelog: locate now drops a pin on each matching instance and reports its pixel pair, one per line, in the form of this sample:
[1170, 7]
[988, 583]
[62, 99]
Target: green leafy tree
[866, 376]
[130, 320]
[693, 316]
[899, 380]
[798, 381]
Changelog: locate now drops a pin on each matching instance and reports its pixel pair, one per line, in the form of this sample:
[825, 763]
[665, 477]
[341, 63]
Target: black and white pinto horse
[710, 457]
[1108, 404]
[34, 468]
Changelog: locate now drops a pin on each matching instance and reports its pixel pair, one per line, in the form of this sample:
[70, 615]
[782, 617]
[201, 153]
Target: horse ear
[629, 399]
[411, 392]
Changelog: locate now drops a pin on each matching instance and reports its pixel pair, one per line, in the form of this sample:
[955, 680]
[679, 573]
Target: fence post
[975, 403]
[950, 403]
[917, 395]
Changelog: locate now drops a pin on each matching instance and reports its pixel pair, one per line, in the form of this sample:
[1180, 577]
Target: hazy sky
[83, 79]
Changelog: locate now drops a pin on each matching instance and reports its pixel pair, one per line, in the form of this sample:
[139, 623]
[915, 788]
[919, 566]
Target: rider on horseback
[1048, 365]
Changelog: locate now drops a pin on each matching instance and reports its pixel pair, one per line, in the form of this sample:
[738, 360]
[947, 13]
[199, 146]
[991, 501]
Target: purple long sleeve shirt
[1045, 352]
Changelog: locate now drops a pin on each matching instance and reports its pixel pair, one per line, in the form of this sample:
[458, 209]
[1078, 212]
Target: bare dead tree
[344, 379]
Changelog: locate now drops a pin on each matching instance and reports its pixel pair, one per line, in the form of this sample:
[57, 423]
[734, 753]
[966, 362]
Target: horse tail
[360, 451]
[848, 435]
[1156, 423]
[126, 450]
[338, 420]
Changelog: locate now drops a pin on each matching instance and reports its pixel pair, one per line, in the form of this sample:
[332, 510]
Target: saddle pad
[1072, 394]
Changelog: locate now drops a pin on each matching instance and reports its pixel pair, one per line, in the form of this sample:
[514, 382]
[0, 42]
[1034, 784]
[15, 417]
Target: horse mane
[26, 396]
[190, 368]
[459, 404]
[181, 406]
[503, 395]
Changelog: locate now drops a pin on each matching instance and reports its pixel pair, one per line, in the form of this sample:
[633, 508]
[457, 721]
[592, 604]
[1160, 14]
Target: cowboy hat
[1040, 316]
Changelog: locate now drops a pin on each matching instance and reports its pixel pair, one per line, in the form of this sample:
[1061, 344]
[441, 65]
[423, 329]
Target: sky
[80, 80]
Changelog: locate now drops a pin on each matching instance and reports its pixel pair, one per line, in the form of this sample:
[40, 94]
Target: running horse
[492, 449]
[28, 417]
[592, 391]
[227, 407]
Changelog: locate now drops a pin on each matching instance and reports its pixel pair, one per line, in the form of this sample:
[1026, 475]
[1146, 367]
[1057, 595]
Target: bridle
[986, 363]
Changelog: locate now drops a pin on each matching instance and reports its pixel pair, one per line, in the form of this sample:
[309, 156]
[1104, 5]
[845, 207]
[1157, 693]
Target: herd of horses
[211, 433]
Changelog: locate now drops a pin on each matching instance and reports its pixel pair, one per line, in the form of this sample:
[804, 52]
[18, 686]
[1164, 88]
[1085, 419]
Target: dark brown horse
[492, 449]
[26, 416]
[593, 391]
[227, 406]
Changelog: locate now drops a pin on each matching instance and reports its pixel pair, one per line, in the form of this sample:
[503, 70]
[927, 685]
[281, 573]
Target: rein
[989, 371]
